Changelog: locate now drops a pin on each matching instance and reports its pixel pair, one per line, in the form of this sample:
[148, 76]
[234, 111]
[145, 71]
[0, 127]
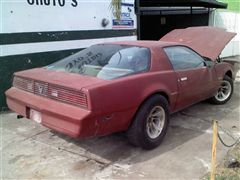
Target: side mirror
[219, 59]
[208, 62]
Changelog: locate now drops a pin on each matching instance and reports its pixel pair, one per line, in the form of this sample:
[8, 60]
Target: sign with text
[61, 15]
[126, 19]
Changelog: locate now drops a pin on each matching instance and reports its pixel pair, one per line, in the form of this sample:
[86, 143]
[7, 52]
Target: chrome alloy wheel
[224, 91]
[155, 122]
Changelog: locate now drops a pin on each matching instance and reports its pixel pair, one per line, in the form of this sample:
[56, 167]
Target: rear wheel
[150, 123]
[224, 92]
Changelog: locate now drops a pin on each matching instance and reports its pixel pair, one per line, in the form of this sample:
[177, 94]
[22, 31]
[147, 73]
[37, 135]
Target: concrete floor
[30, 151]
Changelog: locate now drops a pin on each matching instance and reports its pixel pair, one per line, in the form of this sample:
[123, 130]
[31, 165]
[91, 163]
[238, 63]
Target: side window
[183, 58]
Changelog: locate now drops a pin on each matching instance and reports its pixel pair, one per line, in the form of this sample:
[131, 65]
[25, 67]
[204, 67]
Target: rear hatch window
[106, 61]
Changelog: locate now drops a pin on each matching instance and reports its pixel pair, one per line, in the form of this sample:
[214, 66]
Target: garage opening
[155, 18]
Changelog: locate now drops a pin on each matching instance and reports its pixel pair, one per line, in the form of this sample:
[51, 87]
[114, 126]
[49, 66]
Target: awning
[182, 3]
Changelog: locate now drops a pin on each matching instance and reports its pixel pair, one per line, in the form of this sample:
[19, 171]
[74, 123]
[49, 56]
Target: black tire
[138, 134]
[218, 101]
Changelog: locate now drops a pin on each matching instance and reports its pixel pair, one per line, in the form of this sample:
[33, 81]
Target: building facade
[230, 20]
[35, 33]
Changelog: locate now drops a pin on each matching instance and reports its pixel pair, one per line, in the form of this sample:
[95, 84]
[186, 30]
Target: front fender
[222, 69]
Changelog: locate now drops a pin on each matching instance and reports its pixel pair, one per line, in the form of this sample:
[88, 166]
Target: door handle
[183, 79]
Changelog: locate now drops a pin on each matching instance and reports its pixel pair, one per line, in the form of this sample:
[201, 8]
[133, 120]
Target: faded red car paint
[207, 41]
[112, 104]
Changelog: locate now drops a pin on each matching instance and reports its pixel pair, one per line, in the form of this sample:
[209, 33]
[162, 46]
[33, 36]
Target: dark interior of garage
[155, 26]
[155, 18]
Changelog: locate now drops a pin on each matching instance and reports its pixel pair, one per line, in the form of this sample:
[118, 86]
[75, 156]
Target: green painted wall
[31, 37]
[11, 64]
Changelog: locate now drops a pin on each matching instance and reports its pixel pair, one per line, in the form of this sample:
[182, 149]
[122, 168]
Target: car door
[195, 79]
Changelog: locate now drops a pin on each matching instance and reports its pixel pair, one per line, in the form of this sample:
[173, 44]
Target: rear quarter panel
[117, 101]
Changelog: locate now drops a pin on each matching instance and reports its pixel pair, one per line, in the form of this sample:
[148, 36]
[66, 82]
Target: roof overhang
[182, 3]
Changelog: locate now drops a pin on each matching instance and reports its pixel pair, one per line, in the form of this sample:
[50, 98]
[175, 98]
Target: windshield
[106, 61]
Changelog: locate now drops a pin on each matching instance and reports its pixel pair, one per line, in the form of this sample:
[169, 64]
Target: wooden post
[214, 150]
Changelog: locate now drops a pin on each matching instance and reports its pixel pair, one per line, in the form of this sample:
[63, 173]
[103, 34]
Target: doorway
[153, 27]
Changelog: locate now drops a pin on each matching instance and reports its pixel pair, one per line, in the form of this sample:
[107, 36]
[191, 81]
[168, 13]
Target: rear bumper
[65, 118]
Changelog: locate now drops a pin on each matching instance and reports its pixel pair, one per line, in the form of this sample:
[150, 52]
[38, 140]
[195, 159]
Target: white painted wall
[28, 16]
[231, 22]
[24, 16]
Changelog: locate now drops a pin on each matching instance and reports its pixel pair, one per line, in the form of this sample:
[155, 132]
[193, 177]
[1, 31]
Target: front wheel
[224, 92]
[150, 123]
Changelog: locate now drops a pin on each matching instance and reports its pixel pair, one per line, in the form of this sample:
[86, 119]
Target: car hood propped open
[207, 41]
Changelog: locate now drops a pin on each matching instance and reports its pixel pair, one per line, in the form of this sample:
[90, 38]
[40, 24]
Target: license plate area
[35, 115]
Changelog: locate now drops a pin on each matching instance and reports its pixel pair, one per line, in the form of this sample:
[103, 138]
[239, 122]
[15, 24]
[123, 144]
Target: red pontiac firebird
[126, 86]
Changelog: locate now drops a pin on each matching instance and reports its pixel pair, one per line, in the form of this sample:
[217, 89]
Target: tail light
[56, 92]
[24, 84]
[67, 95]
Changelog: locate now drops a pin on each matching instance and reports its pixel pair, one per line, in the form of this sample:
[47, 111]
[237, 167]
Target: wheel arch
[223, 69]
[229, 74]
[160, 92]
